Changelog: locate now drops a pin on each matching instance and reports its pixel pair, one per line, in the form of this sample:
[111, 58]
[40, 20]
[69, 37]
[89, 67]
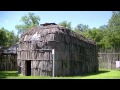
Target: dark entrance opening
[28, 68]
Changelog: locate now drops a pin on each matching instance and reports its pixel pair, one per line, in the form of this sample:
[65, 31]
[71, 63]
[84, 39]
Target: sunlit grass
[102, 74]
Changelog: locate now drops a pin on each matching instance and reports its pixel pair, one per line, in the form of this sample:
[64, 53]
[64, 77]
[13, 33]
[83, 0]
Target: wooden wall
[72, 56]
[8, 62]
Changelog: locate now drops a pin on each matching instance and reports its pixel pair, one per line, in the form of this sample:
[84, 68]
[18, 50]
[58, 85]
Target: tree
[114, 22]
[7, 38]
[66, 24]
[107, 36]
[29, 21]
[3, 37]
[96, 34]
[82, 28]
[11, 38]
[103, 27]
[114, 29]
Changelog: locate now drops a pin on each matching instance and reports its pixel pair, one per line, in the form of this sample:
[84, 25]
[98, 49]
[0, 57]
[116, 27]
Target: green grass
[102, 74]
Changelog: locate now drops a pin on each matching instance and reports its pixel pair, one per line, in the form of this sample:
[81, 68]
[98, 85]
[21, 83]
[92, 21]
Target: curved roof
[49, 28]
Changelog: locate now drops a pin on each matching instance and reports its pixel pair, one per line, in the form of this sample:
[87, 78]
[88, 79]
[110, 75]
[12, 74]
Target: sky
[8, 19]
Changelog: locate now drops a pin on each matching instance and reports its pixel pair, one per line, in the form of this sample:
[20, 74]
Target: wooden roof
[48, 28]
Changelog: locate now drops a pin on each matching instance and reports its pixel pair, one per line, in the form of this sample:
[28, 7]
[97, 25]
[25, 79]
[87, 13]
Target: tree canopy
[29, 21]
[66, 24]
[7, 38]
[107, 36]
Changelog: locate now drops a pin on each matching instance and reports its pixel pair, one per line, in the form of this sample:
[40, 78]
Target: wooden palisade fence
[8, 62]
[8, 59]
[107, 58]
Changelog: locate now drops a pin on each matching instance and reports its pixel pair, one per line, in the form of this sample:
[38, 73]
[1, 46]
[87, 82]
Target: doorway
[28, 68]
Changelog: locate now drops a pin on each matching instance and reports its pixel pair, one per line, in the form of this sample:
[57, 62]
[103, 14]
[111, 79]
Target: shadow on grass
[5, 74]
[90, 74]
[96, 73]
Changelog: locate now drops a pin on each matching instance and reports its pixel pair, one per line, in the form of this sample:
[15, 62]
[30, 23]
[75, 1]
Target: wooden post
[108, 60]
[53, 71]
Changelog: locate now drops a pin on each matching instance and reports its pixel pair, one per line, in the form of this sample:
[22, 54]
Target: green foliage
[95, 34]
[3, 37]
[107, 36]
[66, 24]
[114, 29]
[82, 28]
[7, 38]
[11, 38]
[29, 21]
[99, 35]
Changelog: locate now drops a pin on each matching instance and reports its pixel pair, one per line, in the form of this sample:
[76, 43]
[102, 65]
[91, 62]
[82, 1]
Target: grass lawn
[102, 74]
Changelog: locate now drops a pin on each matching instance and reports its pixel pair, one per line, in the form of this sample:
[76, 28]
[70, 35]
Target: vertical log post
[53, 71]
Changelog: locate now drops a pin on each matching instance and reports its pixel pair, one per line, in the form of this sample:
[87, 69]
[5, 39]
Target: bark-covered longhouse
[74, 54]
